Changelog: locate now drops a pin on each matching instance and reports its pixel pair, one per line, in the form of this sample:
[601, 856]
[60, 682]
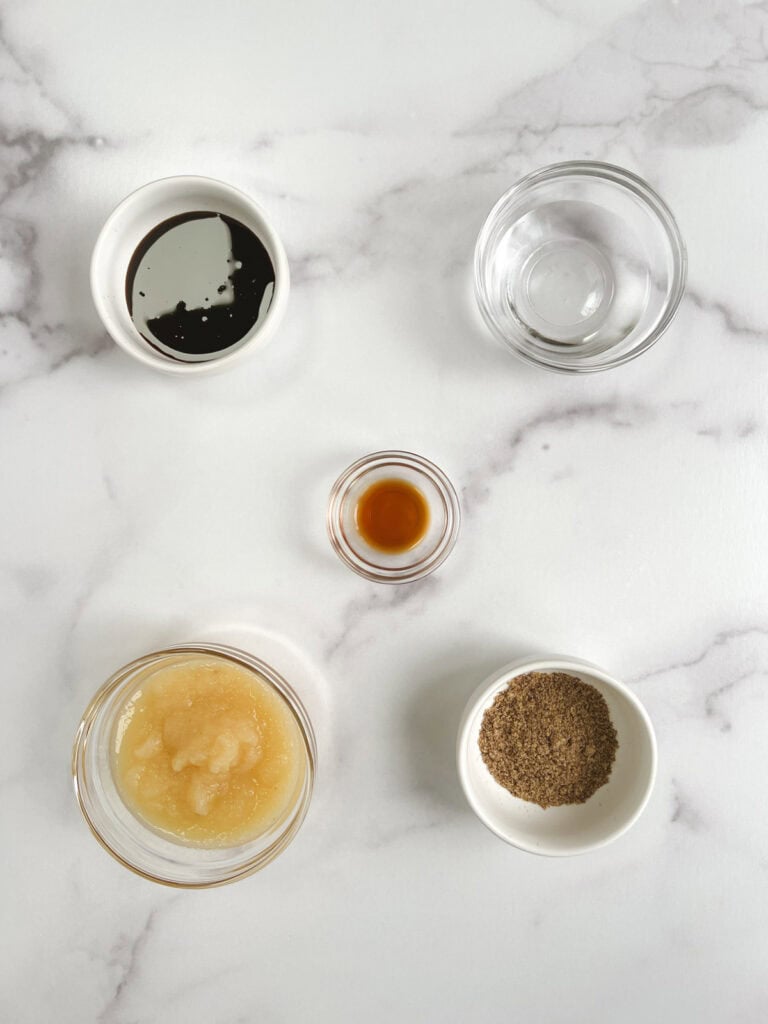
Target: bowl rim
[258, 334]
[402, 574]
[602, 171]
[549, 663]
[273, 679]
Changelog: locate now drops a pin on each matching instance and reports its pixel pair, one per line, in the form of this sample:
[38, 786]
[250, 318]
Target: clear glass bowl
[442, 530]
[136, 845]
[579, 267]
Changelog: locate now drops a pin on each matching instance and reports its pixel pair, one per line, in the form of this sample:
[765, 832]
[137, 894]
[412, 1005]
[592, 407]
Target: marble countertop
[619, 517]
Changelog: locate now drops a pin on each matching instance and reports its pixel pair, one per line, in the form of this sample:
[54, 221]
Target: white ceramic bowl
[133, 219]
[576, 828]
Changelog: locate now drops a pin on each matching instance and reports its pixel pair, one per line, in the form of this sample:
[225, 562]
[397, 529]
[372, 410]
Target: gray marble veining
[619, 518]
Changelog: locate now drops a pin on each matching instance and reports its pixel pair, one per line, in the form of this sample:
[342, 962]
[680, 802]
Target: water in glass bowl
[572, 273]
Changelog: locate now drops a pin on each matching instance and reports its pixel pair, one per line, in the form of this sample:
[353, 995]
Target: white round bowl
[575, 828]
[133, 219]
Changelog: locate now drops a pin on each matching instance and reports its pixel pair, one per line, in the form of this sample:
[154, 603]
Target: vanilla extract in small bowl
[198, 284]
[393, 517]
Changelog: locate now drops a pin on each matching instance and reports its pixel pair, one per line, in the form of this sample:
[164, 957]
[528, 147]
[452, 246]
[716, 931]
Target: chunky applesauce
[205, 750]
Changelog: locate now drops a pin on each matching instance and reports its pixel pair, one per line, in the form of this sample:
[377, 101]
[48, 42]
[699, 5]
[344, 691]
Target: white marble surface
[620, 517]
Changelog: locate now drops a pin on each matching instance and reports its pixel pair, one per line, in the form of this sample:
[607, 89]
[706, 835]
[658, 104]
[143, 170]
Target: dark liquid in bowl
[392, 515]
[197, 284]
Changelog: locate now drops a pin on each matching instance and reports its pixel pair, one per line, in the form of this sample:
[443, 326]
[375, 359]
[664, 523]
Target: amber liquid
[392, 515]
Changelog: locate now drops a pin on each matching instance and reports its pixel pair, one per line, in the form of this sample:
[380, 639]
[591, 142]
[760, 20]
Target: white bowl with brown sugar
[555, 756]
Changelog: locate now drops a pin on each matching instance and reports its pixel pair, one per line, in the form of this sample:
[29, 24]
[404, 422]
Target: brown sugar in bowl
[573, 827]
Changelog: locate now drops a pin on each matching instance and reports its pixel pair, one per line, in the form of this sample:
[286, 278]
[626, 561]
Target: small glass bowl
[579, 267]
[126, 837]
[432, 549]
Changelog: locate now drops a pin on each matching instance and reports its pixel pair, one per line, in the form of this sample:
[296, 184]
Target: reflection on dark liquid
[197, 284]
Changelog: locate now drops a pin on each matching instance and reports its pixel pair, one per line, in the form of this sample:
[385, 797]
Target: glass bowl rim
[425, 565]
[273, 679]
[605, 172]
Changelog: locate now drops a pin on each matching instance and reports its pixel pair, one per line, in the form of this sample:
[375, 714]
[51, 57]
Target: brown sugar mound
[548, 738]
